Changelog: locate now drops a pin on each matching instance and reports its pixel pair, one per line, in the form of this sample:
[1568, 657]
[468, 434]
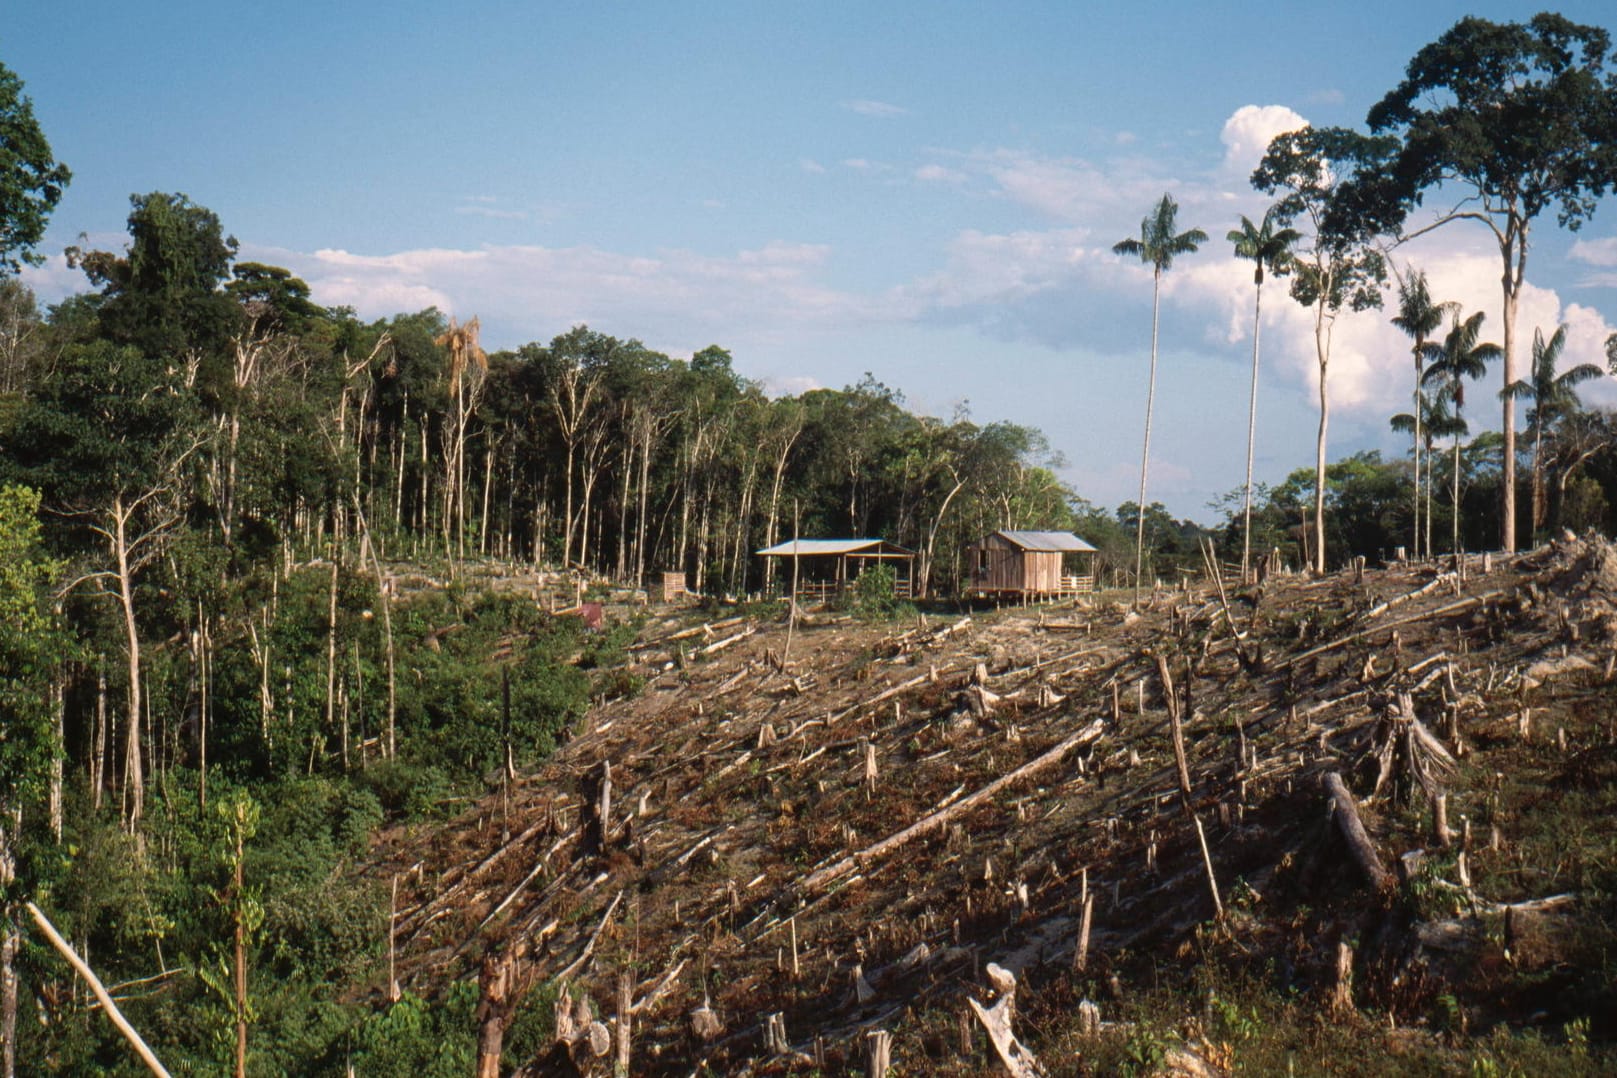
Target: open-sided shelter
[827, 566]
[1030, 564]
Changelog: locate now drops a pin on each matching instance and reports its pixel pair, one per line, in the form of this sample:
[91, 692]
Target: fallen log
[1343, 641]
[817, 880]
[1346, 812]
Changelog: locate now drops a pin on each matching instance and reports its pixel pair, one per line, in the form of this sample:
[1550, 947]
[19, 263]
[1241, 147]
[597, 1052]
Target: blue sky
[925, 191]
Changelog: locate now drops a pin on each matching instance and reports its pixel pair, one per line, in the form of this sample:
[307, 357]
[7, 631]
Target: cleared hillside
[849, 834]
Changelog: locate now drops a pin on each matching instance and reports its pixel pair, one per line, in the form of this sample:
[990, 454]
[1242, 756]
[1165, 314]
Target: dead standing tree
[465, 353]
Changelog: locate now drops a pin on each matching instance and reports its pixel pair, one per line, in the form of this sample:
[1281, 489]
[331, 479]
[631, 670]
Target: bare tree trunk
[1512, 282]
[488, 482]
[134, 771]
[1456, 495]
[58, 750]
[1251, 428]
[1418, 365]
[9, 940]
[1145, 452]
[239, 946]
[1322, 352]
[331, 651]
[99, 751]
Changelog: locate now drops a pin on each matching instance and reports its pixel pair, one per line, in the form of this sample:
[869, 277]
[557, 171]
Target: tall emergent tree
[1461, 356]
[1511, 118]
[1419, 317]
[1269, 247]
[1553, 396]
[1158, 245]
[1336, 267]
[31, 180]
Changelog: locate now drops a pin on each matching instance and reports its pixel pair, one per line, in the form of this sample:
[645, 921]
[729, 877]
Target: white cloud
[878, 109]
[672, 299]
[935, 173]
[808, 164]
[1248, 132]
[1601, 252]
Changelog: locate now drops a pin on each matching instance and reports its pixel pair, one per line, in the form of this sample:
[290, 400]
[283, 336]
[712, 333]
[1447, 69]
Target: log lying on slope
[1346, 811]
[835, 871]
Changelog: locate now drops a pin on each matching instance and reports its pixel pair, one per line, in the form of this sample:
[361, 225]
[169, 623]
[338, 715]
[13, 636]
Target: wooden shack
[1030, 565]
[826, 567]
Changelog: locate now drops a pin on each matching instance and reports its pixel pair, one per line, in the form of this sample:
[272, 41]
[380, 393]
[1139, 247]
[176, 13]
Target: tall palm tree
[1553, 396]
[1419, 317]
[1460, 356]
[1158, 245]
[1436, 421]
[1269, 246]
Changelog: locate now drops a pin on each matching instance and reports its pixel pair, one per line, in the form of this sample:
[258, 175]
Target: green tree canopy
[31, 180]
[1513, 118]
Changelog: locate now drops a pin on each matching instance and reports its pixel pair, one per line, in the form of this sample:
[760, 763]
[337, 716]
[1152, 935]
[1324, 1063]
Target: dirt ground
[846, 824]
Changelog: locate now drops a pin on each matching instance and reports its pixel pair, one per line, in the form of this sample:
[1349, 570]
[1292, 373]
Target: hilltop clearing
[771, 855]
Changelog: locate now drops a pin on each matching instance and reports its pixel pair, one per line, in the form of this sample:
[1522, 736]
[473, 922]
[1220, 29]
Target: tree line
[210, 486]
[1494, 124]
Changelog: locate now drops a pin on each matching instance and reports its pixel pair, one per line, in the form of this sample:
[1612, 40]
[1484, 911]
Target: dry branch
[107, 1004]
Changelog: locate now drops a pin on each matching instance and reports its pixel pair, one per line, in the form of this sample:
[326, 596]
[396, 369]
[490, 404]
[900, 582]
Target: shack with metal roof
[825, 567]
[1030, 565]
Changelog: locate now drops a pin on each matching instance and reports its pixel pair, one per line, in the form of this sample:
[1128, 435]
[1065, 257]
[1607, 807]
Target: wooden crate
[673, 586]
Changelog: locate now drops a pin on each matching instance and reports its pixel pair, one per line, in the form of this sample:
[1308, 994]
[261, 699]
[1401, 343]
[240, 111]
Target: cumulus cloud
[1248, 132]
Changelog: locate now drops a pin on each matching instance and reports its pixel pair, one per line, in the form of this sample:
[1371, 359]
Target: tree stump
[878, 1053]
